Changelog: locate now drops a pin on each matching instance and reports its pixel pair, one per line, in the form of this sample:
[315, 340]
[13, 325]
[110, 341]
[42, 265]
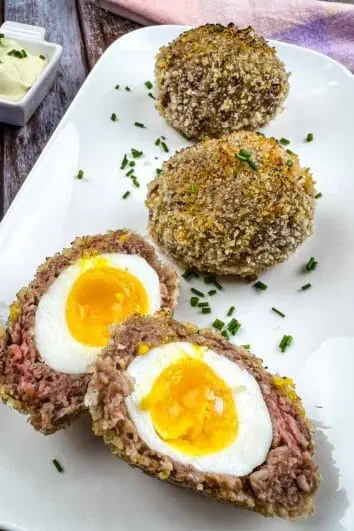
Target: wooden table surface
[85, 31]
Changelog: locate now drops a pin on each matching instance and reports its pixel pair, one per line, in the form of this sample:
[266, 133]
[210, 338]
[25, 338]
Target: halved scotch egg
[60, 323]
[184, 405]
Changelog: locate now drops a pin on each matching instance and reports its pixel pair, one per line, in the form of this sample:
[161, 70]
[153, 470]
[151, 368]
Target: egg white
[57, 347]
[255, 433]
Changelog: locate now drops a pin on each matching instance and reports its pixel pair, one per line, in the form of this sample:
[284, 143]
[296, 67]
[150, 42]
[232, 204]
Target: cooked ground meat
[283, 486]
[214, 80]
[53, 399]
[218, 214]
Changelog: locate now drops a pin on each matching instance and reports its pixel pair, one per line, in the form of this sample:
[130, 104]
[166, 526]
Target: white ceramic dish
[31, 38]
[97, 491]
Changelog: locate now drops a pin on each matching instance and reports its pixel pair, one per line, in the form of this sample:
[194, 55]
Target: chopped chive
[311, 264]
[206, 310]
[152, 96]
[158, 171]
[194, 301]
[164, 147]
[309, 137]
[278, 312]
[58, 466]
[253, 165]
[127, 89]
[284, 141]
[135, 182]
[306, 286]
[234, 326]
[136, 153]
[139, 124]
[148, 85]
[193, 187]
[197, 292]
[219, 325]
[157, 141]
[114, 117]
[231, 311]
[80, 174]
[24, 53]
[2, 36]
[203, 304]
[189, 273]
[289, 163]
[247, 347]
[245, 154]
[317, 196]
[212, 292]
[285, 342]
[130, 172]
[163, 137]
[124, 162]
[212, 280]
[126, 194]
[225, 334]
[290, 152]
[132, 163]
[117, 87]
[260, 285]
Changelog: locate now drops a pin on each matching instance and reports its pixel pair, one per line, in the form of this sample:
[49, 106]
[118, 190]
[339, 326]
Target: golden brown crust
[213, 80]
[212, 212]
[283, 486]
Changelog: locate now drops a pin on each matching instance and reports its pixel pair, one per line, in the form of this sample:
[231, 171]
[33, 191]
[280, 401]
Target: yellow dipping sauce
[18, 69]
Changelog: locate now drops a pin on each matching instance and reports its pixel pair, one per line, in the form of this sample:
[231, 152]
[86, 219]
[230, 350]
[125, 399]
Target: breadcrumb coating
[214, 80]
[213, 212]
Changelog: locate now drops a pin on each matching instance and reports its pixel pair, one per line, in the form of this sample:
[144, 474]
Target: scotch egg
[184, 405]
[60, 323]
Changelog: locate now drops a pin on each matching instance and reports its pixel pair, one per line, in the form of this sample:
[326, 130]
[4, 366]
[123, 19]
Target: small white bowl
[31, 38]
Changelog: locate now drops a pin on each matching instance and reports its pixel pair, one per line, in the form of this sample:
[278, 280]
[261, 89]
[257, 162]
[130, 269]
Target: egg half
[74, 315]
[199, 408]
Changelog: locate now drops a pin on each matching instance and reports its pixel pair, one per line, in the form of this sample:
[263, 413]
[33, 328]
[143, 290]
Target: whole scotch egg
[60, 323]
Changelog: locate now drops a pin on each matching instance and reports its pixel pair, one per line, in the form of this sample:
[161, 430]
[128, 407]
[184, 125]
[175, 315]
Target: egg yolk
[100, 297]
[192, 409]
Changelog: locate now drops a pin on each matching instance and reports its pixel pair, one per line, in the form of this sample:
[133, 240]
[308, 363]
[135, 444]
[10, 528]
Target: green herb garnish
[58, 466]
[152, 96]
[157, 141]
[136, 153]
[206, 310]
[124, 162]
[289, 163]
[234, 326]
[197, 292]
[219, 325]
[260, 285]
[164, 147]
[247, 347]
[212, 280]
[309, 137]
[246, 156]
[212, 292]
[231, 311]
[2, 36]
[114, 117]
[193, 187]
[148, 85]
[289, 152]
[42, 57]
[203, 304]
[80, 174]
[189, 273]
[132, 163]
[127, 89]
[117, 87]
[311, 264]
[126, 194]
[225, 334]
[285, 343]
[130, 172]
[317, 196]
[135, 181]
[139, 124]
[284, 141]
[194, 301]
[158, 171]
[278, 312]
[306, 286]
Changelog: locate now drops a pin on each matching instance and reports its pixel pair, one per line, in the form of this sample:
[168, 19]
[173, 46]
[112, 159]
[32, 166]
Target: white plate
[97, 491]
